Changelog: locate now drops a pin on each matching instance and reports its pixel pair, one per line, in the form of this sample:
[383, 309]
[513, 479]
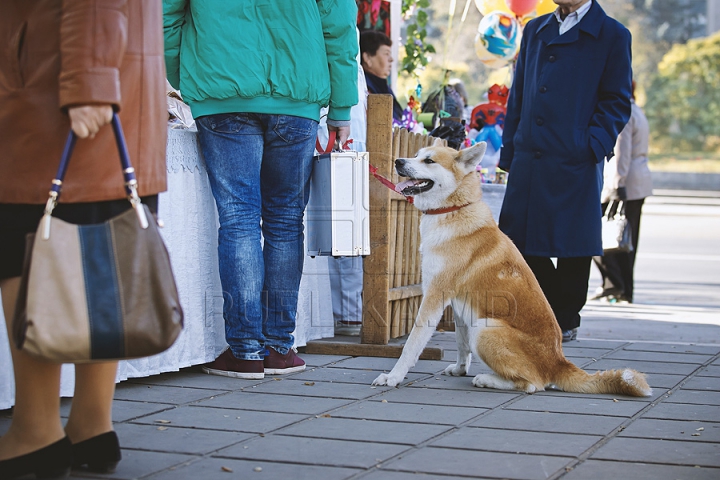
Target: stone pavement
[329, 423]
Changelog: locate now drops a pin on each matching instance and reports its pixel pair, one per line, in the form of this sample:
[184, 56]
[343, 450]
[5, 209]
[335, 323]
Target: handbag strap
[616, 207]
[127, 169]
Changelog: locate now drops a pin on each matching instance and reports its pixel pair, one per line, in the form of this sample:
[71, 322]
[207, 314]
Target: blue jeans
[259, 167]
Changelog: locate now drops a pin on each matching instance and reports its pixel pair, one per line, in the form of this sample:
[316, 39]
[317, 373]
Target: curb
[686, 181]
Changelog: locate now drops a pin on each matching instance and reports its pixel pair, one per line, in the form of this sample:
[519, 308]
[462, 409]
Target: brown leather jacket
[59, 54]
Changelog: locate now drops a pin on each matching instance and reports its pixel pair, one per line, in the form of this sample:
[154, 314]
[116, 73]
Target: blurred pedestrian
[256, 75]
[76, 62]
[459, 87]
[346, 273]
[377, 60]
[627, 179]
[569, 100]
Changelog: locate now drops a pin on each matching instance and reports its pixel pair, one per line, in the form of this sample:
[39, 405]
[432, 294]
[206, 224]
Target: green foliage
[683, 101]
[416, 48]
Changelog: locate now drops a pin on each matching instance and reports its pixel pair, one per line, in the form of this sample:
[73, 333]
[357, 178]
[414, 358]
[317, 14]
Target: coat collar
[591, 23]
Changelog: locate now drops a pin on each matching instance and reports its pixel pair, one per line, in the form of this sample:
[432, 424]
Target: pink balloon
[521, 7]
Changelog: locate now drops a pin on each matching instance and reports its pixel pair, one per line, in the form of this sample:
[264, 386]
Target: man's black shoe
[569, 335]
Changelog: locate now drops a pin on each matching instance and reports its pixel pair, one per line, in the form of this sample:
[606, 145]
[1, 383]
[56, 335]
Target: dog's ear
[438, 142]
[470, 157]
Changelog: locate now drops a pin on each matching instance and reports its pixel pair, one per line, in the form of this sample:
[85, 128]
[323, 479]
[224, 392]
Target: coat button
[539, 121]
[543, 89]
[538, 154]
[552, 58]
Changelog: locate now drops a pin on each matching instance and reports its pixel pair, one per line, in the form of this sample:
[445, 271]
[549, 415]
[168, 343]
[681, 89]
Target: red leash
[331, 143]
[373, 170]
[386, 182]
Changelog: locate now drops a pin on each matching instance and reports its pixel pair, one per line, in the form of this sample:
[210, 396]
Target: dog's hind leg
[505, 352]
[464, 355]
[489, 380]
[430, 311]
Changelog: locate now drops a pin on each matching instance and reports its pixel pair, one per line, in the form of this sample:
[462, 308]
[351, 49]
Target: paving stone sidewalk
[329, 423]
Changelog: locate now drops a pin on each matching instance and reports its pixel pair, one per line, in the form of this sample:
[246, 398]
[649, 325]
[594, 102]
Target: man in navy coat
[569, 101]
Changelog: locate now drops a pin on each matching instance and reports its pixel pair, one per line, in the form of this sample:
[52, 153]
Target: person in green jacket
[256, 74]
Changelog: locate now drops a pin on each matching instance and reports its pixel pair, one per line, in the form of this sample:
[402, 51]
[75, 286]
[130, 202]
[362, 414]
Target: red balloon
[521, 7]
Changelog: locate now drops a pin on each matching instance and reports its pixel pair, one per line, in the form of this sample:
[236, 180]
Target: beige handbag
[97, 292]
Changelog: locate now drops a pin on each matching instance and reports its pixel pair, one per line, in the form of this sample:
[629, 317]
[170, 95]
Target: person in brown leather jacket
[68, 65]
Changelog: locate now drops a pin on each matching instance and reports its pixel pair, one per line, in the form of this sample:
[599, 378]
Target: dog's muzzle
[413, 186]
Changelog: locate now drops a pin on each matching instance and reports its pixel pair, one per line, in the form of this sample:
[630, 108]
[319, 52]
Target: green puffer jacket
[287, 57]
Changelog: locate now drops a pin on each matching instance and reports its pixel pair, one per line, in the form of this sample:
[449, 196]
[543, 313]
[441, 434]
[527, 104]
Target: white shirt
[572, 19]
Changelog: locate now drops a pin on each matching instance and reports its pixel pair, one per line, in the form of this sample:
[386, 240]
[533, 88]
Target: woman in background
[626, 178]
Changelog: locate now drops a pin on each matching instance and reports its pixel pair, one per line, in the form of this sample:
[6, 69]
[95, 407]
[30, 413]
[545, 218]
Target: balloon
[498, 39]
[487, 6]
[521, 7]
[545, 6]
[526, 18]
[490, 135]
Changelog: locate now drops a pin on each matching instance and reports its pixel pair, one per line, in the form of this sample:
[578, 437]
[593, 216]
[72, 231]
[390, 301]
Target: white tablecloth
[190, 233]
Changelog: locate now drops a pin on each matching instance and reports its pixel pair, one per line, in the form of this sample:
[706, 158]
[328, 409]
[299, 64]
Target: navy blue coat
[569, 101]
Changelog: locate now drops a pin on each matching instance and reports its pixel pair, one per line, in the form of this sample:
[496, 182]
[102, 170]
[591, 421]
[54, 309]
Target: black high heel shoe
[101, 454]
[52, 461]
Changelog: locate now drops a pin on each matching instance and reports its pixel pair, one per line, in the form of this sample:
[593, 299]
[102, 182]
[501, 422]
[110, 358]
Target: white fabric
[573, 18]
[358, 114]
[190, 233]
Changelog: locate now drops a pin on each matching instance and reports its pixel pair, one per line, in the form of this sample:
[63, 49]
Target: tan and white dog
[500, 312]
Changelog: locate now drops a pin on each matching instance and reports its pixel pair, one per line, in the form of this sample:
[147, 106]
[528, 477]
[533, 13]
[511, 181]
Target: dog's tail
[621, 382]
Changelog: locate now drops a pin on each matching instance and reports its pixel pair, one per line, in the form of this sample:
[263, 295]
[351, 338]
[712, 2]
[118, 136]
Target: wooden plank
[392, 234]
[398, 135]
[406, 291]
[400, 227]
[407, 267]
[397, 278]
[376, 307]
[354, 349]
[402, 151]
[447, 322]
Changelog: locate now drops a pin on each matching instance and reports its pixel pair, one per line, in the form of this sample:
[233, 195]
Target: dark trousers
[617, 268]
[564, 286]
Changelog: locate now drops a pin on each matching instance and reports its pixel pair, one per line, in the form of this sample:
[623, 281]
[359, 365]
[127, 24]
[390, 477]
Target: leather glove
[621, 193]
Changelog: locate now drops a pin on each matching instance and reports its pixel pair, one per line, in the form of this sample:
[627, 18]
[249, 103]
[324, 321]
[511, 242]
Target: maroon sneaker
[276, 364]
[226, 365]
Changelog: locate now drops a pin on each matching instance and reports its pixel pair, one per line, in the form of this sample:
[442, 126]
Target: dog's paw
[483, 381]
[386, 379]
[456, 370]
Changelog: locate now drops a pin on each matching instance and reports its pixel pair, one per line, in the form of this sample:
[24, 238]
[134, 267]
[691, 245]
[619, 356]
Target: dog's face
[435, 172]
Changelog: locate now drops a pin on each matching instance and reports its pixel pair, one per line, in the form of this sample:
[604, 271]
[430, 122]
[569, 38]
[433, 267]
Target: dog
[500, 312]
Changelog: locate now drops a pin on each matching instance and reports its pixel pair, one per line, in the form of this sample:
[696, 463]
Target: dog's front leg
[464, 355]
[428, 317]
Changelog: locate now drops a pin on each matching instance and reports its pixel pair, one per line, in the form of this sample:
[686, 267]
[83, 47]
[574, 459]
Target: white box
[338, 219]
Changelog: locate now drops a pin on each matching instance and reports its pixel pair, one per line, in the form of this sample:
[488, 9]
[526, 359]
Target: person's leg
[633, 211]
[610, 271]
[36, 416]
[573, 274]
[285, 178]
[351, 282]
[335, 270]
[546, 275]
[91, 412]
[232, 145]
[346, 284]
